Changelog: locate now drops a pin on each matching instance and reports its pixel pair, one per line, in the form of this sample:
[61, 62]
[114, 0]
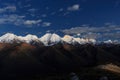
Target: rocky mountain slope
[49, 54]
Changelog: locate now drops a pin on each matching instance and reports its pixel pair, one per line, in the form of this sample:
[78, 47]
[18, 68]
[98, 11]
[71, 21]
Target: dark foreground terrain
[23, 61]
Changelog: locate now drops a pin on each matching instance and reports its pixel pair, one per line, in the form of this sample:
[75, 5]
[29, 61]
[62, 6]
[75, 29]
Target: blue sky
[99, 19]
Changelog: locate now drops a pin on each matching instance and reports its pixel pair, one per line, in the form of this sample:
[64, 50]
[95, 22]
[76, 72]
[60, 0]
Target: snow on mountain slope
[108, 41]
[92, 41]
[50, 38]
[72, 40]
[55, 38]
[28, 38]
[47, 39]
[8, 38]
[68, 39]
[78, 40]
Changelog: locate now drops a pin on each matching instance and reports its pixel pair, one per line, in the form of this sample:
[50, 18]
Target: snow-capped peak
[8, 38]
[68, 39]
[28, 38]
[71, 40]
[55, 38]
[45, 39]
[92, 41]
[50, 38]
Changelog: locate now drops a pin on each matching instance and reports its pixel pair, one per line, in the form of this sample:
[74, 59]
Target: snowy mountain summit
[28, 38]
[8, 38]
[50, 39]
[47, 39]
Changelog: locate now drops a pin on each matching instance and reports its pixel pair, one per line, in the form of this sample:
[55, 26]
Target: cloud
[32, 22]
[104, 32]
[50, 31]
[10, 17]
[46, 24]
[11, 8]
[32, 10]
[8, 8]
[112, 35]
[20, 20]
[13, 18]
[88, 28]
[75, 7]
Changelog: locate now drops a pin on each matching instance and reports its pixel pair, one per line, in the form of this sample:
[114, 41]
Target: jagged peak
[31, 37]
[55, 38]
[45, 38]
[9, 35]
[8, 38]
[28, 38]
[50, 38]
[68, 39]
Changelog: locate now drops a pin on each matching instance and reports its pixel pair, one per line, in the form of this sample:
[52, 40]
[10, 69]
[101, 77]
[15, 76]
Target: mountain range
[30, 55]
[49, 39]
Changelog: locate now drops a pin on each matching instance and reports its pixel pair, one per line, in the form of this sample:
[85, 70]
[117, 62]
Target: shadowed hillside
[22, 59]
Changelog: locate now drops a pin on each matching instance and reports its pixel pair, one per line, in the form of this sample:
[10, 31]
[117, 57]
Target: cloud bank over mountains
[108, 31]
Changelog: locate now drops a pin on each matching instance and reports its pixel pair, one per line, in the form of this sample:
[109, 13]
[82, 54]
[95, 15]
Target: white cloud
[11, 8]
[104, 32]
[87, 28]
[8, 8]
[32, 22]
[46, 24]
[50, 31]
[11, 19]
[18, 20]
[75, 7]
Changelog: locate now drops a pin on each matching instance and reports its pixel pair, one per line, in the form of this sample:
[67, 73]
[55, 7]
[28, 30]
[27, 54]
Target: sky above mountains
[97, 19]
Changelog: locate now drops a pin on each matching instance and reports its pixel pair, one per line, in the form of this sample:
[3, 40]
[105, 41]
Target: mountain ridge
[49, 39]
[23, 59]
